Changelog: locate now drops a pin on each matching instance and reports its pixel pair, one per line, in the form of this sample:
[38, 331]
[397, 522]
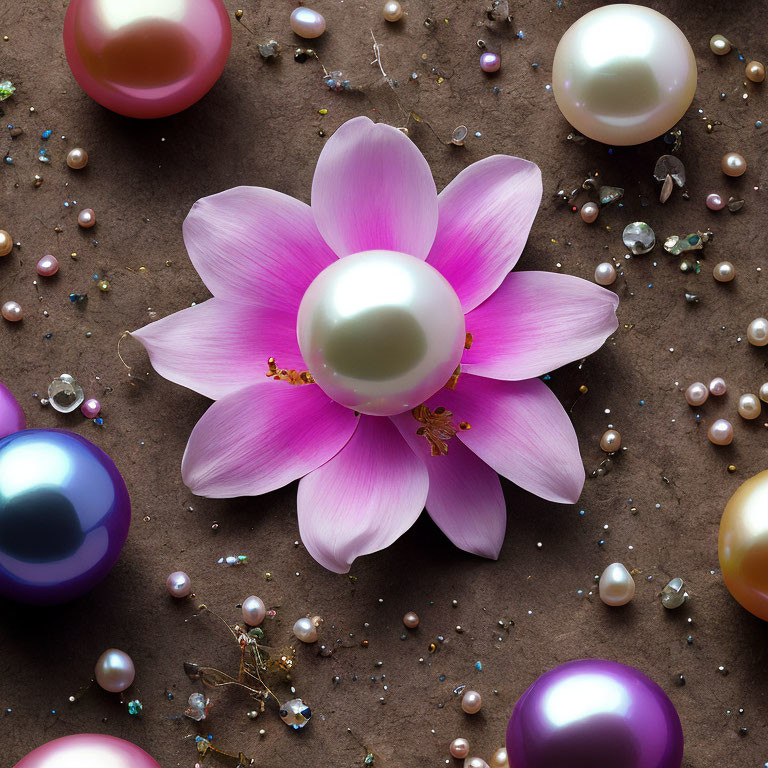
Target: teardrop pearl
[307, 23]
[114, 670]
[254, 611]
[610, 442]
[617, 587]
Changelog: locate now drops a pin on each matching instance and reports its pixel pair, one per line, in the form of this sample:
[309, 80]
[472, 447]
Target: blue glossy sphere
[64, 515]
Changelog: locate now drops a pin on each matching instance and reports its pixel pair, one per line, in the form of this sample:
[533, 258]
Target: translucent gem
[269, 50]
[7, 90]
[197, 707]
[669, 165]
[610, 195]
[458, 135]
[674, 594]
[65, 394]
[43, 156]
[499, 11]
[677, 244]
[135, 707]
[734, 204]
[295, 713]
[638, 237]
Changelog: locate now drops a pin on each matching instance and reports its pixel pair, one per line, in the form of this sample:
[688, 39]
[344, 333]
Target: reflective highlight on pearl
[307, 23]
[605, 274]
[411, 620]
[743, 545]
[749, 406]
[77, 158]
[623, 74]
[589, 212]
[610, 442]
[47, 266]
[87, 750]
[720, 432]
[715, 202]
[475, 762]
[90, 408]
[86, 218]
[500, 759]
[6, 243]
[763, 393]
[755, 71]
[471, 702]
[490, 62]
[616, 586]
[719, 45]
[594, 714]
[114, 670]
[392, 11]
[144, 58]
[717, 386]
[459, 748]
[724, 272]
[254, 611]
[179, 584]
[305, 631]
[12, 311]
[696, 394]
[380, 331]
[757, 332]
[733, 164]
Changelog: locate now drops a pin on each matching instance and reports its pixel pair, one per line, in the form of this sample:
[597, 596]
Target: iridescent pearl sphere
[500, 759]
[610, 442]
[755, 71]
[605, 274]
[749, 406]
[90, 408]
[763, 392]
[380, 331]
[696, 394]
[114, 670]
[715, 202]
[6, 243]
[719, 45]
[475, 762]
[392, 11]
[490, 62]
[86, 218]
[471, 702]
[305, 630]
[720, 432]
[307, 23]
[589, 212]
[254, 611]
[757, 332]
[12, 311]
[459, 748]
[179, 584]
[717, 386]
[733, 164]
[616, 586]
[724, 272]
[77, 158]
[47, 266]
[623, 74]
[411, 620]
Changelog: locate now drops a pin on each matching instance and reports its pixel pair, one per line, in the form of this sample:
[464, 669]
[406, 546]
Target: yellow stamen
[454, 380]
[290, 375]
[468, 341]
[438, 427]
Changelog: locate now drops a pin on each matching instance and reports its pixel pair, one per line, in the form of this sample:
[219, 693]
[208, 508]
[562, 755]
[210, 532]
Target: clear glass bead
[638, 237]
[674, 594]
[295, 713]
[197, 707]
[65, 394]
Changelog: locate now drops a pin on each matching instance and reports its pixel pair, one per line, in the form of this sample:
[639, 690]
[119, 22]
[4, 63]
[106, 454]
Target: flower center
[380, 331]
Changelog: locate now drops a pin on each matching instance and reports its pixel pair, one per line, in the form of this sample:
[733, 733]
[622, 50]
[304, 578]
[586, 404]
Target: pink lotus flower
[365, 479]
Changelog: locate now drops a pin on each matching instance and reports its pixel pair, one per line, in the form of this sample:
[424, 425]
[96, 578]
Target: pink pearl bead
[717, 386]
[459, 748]
[47, 266]
[696, 394]
[114, 670]
[471, 702]
[179, 584]
[715, 202]
[307, 23]
[411, 620]
[12, 311]
[721, 432]
[90, 408]
[589, 212]
[254, 611]
[490, 62]
[86, 218]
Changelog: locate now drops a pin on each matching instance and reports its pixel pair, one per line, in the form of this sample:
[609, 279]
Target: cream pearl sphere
[392, 11]
[610, 442]
[696, 394]
[380, 331]
[755, 71]
[623, 74]
[719, 45]
[411, 620]
[589, 212]
[6, 243]
[254, 611]
[179, 584]
[500, 759]
[724, 272]
[86, 218]
[720, 432]
[605, 273]
[77, 158]
[763, 392]
[307, 23]
[471, 702]
[616, 586]
[114, 670]
[475, 762]
[717, 386]
[305, 630]
[459, 748]
[757, 332]
[733, 164]
[12, 311]
[749, 406]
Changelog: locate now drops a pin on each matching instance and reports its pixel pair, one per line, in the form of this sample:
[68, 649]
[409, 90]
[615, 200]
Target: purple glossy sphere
[88, 750]
[490, 62]
[594, 714]
[64, 515]
[11, 415]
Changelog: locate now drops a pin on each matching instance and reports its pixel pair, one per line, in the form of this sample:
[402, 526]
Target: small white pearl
[392, 11]
[696, 394]
[254, 611]
[307, 23]
[179, 584]
[717, 386]
[605, 274]
[305, 630]
[757, 333]
[724, 272]
[617, 587]
[720, 432]
[749, 406]
[471, 702]
[459, 748]
[589, 212]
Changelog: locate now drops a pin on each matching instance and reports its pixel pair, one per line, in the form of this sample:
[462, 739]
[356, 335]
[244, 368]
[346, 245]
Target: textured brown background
[260, 126]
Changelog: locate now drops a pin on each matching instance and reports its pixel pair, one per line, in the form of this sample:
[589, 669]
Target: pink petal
[255, 245]
[520, 429]
[364, 498]
[486, 213]
[465, 498]
[262, 438]
[219, 347]
[373, 190]
[536, 322]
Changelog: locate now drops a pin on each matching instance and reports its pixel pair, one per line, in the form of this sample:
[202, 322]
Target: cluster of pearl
[459, 748]
[309, 24]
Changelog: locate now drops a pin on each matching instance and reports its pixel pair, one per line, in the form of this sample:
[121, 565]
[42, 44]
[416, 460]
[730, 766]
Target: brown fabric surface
[260, 126]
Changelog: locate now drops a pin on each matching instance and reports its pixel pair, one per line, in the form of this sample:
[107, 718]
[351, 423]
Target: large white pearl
[114, 670]
[380, 331]
[617, 587]
[305, 630]
[307, 23]
[623, 74]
